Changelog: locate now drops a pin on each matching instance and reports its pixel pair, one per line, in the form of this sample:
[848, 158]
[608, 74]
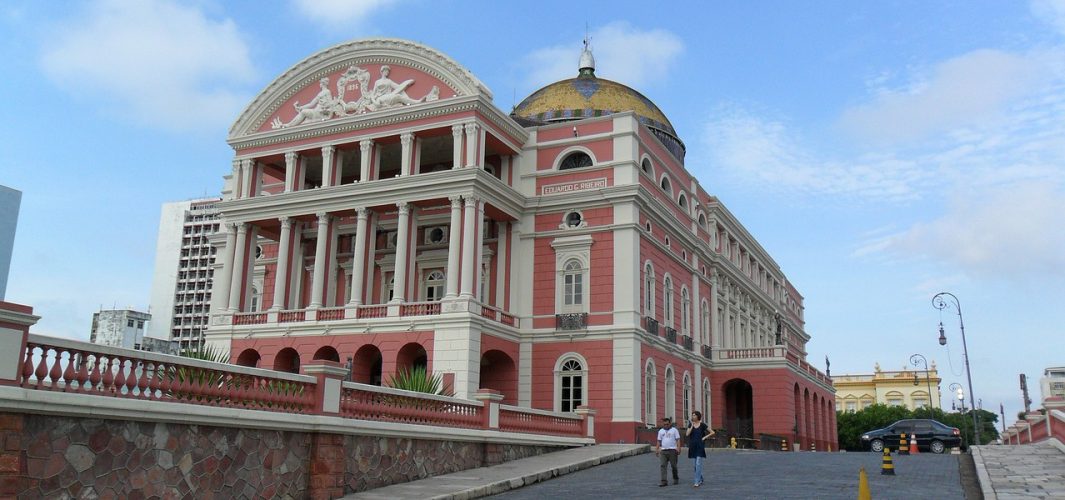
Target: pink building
[382, 209]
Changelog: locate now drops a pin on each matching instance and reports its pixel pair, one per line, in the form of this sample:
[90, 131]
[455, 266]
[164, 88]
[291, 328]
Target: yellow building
[906, 387]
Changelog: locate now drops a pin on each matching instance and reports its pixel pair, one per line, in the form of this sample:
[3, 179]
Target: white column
[318, 281]
[471, 145]
[283, 258]
[365, 150]
[358, 268]
[247, 167]
[226, 278]
[502, 247]
[328, 167]
[235, 177]
[469, 254]
[505, 162]
[402, 253]
[406, 141]
[454, 247]
[291, 165]
[238, 276]
[479, 252]
[456, 136]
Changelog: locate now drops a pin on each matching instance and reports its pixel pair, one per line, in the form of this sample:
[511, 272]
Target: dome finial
[587, 62]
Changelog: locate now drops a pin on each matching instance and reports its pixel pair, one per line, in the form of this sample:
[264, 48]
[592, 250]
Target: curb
[982, 476]
[536, 477]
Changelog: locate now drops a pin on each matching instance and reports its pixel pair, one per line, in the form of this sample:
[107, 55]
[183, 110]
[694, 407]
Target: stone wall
[55, 457]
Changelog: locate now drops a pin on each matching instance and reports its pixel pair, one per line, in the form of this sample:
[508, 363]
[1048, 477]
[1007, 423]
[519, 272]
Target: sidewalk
[1021, 471]
[475, 483]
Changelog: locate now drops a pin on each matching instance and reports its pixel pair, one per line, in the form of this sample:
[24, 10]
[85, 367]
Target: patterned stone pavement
[1021, 471]
[744, 474]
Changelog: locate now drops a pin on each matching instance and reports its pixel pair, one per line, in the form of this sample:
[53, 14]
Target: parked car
[931, 436]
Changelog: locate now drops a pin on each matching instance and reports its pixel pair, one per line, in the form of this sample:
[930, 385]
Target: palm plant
[418, 379]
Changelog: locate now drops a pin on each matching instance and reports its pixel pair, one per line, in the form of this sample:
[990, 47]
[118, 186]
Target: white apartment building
[184, 260]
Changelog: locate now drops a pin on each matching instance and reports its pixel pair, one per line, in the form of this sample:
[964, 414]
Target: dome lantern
[586, 67]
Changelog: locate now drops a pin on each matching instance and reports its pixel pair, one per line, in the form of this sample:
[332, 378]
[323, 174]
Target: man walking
[668, 449]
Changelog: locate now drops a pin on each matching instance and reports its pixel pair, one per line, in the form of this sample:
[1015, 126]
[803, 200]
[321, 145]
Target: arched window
[256, 299]
[573, 285]
[649, 290]
[645, 165]
[702, 222]
[576, 159]
[665, 184]
[706, 401]
[650, 381]
[687, 396]
[434, 286]
[570, 381]
[682, 202]
[671, 394]
[667, 301]
[685, 311]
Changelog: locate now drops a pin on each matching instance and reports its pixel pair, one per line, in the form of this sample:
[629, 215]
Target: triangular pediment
[356, 78]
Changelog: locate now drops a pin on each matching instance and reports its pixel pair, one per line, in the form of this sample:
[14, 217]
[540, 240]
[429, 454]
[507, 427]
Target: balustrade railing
[651, 325]
[499, 315]
[751, 353]
[516, 419]
[571, 321]
[688, 343]
[368, 402]
[251, 318]
[61, 365]
[372, 311]
[329, 313]
[291, 316]
[708, 352]
[671, 335]
[419, 309]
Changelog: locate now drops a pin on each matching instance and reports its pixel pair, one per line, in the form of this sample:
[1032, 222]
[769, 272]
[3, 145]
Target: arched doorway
[327, 353]
[287, 360]
[366, 365]
[739, 408]
[411, 355]
[498, 373]
[249, 357]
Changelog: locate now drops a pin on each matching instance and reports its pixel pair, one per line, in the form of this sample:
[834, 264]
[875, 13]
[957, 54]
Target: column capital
[404, 207]
[241, 227]
[328, 150]
[406, 138]
[323, 217]
[362, 212]
[285, 220]
[456, 130]
[456, 201]
[291, 156]
[365, 144]
[237, 162]
[471, 201]
[471, 128]
[248, 162]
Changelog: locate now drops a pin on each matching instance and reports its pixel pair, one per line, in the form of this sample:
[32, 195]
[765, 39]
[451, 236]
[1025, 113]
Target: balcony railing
[671, 335]
[688, 343]
[420, 309]
[291, 316]
[571, 321]
[329, 314]
[708, 352]
[253, 318]
[651, 325]
[496, 314]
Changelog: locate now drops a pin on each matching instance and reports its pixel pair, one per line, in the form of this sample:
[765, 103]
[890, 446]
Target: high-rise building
[382, 211]
[10, 199]
[184, 270]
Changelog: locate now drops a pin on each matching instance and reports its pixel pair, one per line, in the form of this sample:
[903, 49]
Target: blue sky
[880, 151]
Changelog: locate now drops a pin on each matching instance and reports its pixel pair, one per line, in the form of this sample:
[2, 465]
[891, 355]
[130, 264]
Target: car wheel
[937, 447]
[877, 445]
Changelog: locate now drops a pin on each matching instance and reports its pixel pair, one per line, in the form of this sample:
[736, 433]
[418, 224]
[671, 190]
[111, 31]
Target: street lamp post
[913, 361]
[939, 302]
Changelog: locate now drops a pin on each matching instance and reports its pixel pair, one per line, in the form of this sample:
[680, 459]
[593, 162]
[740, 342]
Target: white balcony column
[247, 176]
[469, 253]
[235, 177]
[456, 136]
[236, 285]
[226, 276]
[366, 154]
[478, 247]
[505, 162]
[283, 257]
[291, 165]
[472, 145]
[406, 141]
[399, 288]
[358, 268]
[454, 247]
[328, 165]
[502, 248]
[322, 244]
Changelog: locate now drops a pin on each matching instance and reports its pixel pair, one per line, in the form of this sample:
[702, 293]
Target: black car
[931, 436]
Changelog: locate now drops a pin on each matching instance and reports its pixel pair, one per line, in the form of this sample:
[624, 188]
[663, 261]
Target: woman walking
[698, 432]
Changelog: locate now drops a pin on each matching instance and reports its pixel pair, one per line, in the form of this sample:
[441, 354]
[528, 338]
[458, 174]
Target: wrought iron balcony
[708, 352]
[651, 325]
[571, 321]
[689, 343]
[671, 334]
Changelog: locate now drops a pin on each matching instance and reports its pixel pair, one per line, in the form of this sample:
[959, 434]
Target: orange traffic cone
[913, 444]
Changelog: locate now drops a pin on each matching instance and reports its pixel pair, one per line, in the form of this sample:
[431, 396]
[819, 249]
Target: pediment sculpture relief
[384, 94]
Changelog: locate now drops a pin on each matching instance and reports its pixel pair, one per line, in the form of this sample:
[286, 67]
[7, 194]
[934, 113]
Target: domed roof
[588, 96]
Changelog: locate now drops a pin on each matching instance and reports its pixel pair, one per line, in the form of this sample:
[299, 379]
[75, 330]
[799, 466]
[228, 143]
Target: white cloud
[1052, 11]
[960, 92]
[1013, 233]
[337, 13]
[622, 53]
[157, 62]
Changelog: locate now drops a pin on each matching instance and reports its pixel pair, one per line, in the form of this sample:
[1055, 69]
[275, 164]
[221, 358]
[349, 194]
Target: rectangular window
[129, 323]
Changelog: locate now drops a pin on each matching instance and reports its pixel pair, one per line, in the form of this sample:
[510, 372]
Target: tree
[850, 426]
